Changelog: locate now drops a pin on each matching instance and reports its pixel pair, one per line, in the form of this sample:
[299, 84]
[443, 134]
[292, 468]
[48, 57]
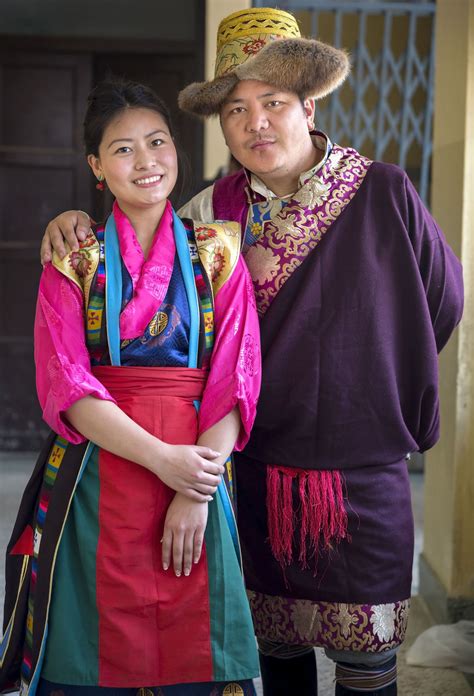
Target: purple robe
[350, 382]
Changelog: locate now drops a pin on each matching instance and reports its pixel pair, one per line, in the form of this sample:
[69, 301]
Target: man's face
[267, 130]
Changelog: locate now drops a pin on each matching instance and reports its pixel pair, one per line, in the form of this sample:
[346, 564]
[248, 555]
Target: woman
[125, 550]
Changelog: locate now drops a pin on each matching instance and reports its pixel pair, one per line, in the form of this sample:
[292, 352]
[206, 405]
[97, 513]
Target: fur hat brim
[308, 67]
[206, 98]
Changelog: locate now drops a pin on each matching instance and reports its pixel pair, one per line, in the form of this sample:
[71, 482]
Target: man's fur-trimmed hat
[265, 44]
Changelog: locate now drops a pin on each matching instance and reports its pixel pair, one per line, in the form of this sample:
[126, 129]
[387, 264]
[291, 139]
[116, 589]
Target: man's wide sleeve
[440, 269]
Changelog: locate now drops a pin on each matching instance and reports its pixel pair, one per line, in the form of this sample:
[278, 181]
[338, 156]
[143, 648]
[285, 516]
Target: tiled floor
[413, 681]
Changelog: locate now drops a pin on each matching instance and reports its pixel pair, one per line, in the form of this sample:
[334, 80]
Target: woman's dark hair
[112, 96]
[108, 99]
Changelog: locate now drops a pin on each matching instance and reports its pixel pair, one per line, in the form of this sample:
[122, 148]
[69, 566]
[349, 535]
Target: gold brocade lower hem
[333, 625]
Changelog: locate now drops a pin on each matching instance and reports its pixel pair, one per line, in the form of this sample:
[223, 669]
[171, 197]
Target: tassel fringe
[320, 512]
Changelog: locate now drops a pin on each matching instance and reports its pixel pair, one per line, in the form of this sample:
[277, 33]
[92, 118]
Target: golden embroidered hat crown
[265, 44]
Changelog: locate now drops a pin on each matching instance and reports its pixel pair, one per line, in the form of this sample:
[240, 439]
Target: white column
[216, 153]
[447, 564]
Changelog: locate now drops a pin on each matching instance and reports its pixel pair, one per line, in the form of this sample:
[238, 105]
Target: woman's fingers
[205, 489]
[166, 545]
[178, 548]
[198, 542]
[206, 465]
[193, 494]
[204, 479]
[183, 535]
[200, 492]
[187, 549]
[206, 452]
[211, 468]
[188, 552]
[183, 468]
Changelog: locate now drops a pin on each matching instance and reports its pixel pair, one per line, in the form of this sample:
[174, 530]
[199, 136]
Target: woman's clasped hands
[189, 469]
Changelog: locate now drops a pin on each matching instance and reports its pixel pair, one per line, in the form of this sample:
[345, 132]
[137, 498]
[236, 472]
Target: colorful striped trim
[95, 308]
[55, 459]
[207, 311]
[205, 297]
[5, 642]
[229, 477]
[361, 678]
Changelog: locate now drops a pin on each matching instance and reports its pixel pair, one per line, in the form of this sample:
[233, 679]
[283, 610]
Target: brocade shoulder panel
[218, 245]
[80, 266]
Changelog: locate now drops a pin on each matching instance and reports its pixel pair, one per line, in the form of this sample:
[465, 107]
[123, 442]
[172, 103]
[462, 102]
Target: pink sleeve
[63, 369]
[235, 373]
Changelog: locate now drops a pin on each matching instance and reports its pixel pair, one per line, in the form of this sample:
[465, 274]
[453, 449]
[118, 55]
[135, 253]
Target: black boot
[295, 676]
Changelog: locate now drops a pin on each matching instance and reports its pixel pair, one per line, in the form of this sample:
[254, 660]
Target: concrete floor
[413, 681]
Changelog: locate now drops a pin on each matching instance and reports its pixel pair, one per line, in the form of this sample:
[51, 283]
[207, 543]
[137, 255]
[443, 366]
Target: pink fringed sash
[320, 510]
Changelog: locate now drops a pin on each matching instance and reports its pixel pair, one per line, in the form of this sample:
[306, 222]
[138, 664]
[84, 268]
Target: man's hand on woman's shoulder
[71, 226]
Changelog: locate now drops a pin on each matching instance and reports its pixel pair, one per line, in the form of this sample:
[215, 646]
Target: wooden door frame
[64, 44]
[192, 51]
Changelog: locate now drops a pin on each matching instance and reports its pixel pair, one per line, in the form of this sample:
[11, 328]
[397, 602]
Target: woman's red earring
[100, 186]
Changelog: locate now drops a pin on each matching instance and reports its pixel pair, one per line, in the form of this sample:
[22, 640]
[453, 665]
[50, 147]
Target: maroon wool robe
[350, 382]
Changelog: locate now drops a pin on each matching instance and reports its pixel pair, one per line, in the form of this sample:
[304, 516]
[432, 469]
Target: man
[357, 292]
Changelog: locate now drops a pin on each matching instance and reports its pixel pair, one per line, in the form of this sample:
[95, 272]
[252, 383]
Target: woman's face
[138, 159]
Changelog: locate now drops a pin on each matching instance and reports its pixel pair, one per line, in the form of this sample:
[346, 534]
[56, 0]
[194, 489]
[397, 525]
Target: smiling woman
[137, 158]
[151, 317]
[134, 151]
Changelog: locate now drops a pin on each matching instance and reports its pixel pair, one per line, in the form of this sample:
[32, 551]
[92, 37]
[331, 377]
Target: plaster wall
[216, 154]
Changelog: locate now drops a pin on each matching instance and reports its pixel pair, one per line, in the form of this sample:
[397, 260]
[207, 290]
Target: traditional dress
[163, 338]
[357, 292]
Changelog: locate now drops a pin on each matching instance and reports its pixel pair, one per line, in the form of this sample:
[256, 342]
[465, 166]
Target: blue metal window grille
[385, 108]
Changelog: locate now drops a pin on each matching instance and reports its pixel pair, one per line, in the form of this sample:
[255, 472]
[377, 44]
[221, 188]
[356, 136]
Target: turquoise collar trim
[113, 289]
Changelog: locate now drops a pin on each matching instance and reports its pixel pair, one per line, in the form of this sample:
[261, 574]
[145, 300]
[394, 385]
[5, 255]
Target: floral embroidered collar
[151, 276]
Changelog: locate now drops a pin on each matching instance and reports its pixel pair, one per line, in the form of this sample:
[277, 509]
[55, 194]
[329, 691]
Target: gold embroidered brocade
[288, 238]
[218, 245]
[80, 266]
[335, 625]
